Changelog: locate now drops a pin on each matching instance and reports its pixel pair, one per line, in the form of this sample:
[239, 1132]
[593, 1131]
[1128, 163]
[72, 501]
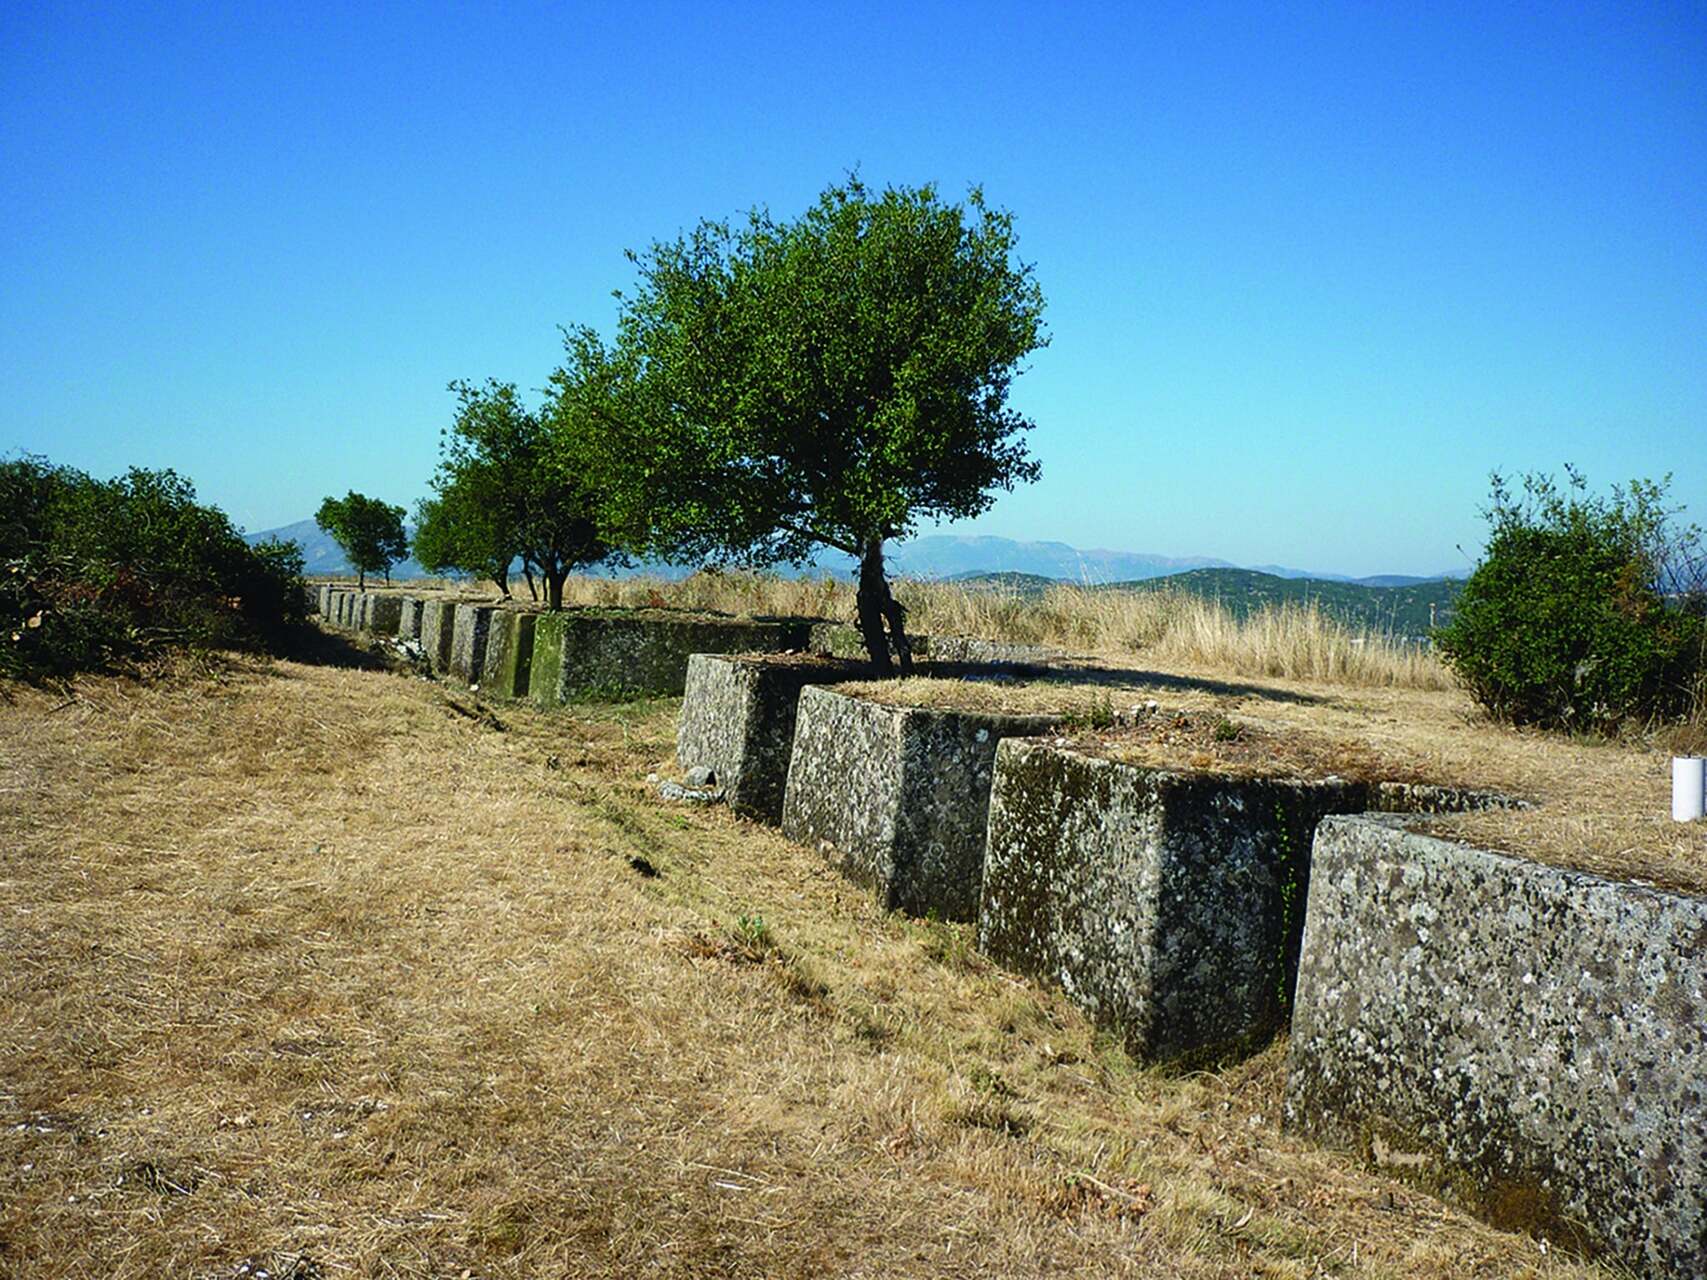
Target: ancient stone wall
[470, 626]
[509, 654]
[582, 653]
[438, 627]
[1168, 905]
[898, 797]
[738, 718]
[1526, 1041]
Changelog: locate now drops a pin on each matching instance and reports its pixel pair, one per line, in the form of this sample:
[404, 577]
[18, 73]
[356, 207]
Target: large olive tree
[777, 387]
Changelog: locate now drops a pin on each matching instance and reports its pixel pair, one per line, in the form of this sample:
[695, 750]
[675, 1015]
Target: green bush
[1585, 612]
[95, 573]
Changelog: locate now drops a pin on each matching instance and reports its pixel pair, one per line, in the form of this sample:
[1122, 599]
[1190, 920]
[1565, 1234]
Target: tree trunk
[361, 579]
[527, 572]
[554, 580]
[870, 604]
[502, 580]
[388, 575]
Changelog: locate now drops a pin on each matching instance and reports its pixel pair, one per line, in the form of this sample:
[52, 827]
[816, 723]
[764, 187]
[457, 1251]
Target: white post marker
[1688, 788]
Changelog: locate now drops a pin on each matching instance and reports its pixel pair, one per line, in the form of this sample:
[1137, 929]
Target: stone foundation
[593, 654]
[898, 797]
[438, 625]
[1167, 905]
[1528, 1042]
[325, 606]
[470, 626]
[509, 653]
[738, 717]
[383, 615]
[409, 618]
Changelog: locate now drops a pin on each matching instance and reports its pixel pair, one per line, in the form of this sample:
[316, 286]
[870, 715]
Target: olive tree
[777, 387]
[368, 531]
[504, 489]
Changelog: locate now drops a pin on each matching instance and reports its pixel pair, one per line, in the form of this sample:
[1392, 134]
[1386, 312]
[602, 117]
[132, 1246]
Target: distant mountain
[1020, 566]
[321, 556]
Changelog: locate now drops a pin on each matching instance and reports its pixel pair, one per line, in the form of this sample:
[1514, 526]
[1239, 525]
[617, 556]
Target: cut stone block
[1168, 905]
[438, 626]
[360, 621]
[471, 626]
[383, 614]
[898, 797]
[590, 654]
[409, 618]
[1529, 1042]
[509, 654]
[839, 640]
[738, 716]
[341, 608]
[325, 607]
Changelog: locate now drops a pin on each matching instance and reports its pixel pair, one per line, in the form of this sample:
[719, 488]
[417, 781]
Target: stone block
[737, 720]
[595, 653]
[898, 797]
[509, 654]
[341, 608]
[325, 608]
[361, 621]
[409, 618]
[438, 627]
[383, 614]
[470, 626]
[1168, 905]
[839, 640]
[1527, 1041]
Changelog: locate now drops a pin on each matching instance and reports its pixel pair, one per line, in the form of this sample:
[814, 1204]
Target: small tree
[830, 381]
[507, 486]
[461, 531]
[369, 532]
[1585, 611]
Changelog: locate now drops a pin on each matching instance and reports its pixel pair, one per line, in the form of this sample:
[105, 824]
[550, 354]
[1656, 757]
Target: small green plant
[754, 935]
[1225, 731]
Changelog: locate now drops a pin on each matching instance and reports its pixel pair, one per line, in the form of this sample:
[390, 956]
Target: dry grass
[1292, 642]
[304, 964]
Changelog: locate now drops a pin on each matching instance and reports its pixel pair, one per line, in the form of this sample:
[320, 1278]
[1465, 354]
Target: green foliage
[369, 532]
[1564, 623]
[508, 485]
[827, 381]
[94, 573]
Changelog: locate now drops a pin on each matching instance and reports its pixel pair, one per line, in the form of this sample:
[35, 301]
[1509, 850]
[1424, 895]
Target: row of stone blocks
[1526, 1041]
[553, 658]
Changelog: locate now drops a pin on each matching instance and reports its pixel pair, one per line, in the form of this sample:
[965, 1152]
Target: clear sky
[1311, 271]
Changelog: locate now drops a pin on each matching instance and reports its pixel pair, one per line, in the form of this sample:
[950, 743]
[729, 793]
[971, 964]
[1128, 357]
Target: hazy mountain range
[937, 555]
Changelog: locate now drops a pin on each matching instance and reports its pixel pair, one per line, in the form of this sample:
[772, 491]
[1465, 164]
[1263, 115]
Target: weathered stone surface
[595, 654]
[509, 653]
[325, 607]
[992, 653]
[898, 796]
[361, 620]
[738, 718]
[839, 640]
[1168, 905]
[438, 626]
[343, 603]
[1528, 1041]
[383, 614]
[470, 627]
[409, 618]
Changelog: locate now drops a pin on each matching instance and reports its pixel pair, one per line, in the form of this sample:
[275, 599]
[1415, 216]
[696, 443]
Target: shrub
[94, 573]
[1585, 612]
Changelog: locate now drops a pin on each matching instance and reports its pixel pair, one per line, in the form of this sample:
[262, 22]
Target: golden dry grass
[303, 963]
[1292, 641]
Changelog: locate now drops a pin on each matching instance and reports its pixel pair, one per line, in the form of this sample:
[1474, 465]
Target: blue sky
[1311, 272]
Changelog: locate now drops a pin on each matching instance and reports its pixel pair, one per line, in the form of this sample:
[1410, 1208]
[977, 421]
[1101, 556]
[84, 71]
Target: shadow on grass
[313, 645]
[1083, 673]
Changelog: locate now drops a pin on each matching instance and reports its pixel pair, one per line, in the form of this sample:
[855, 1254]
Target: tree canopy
[509, 485]
[777, 387]
[369, 532]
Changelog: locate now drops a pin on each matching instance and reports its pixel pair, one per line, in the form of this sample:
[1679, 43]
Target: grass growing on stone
[307, 967]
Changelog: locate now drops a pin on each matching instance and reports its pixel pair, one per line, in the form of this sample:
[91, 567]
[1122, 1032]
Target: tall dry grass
[1295, 642]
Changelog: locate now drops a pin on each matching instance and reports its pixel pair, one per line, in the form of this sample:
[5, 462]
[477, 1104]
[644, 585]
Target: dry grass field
[320, 971]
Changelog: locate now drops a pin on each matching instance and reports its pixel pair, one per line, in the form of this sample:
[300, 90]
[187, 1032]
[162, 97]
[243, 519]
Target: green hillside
[1402, 611]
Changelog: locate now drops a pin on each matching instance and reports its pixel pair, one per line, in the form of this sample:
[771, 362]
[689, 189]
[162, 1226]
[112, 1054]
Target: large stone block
[361, 619]
[438, 627]
[898, 797]
[342, 602]
[383, 614]
[1527, 1041]
[592, 653]
[509, 654]
[325, 597]
[839, 640]
[1168, 905]
[470, 626]
[737, 719]
[409, 618]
